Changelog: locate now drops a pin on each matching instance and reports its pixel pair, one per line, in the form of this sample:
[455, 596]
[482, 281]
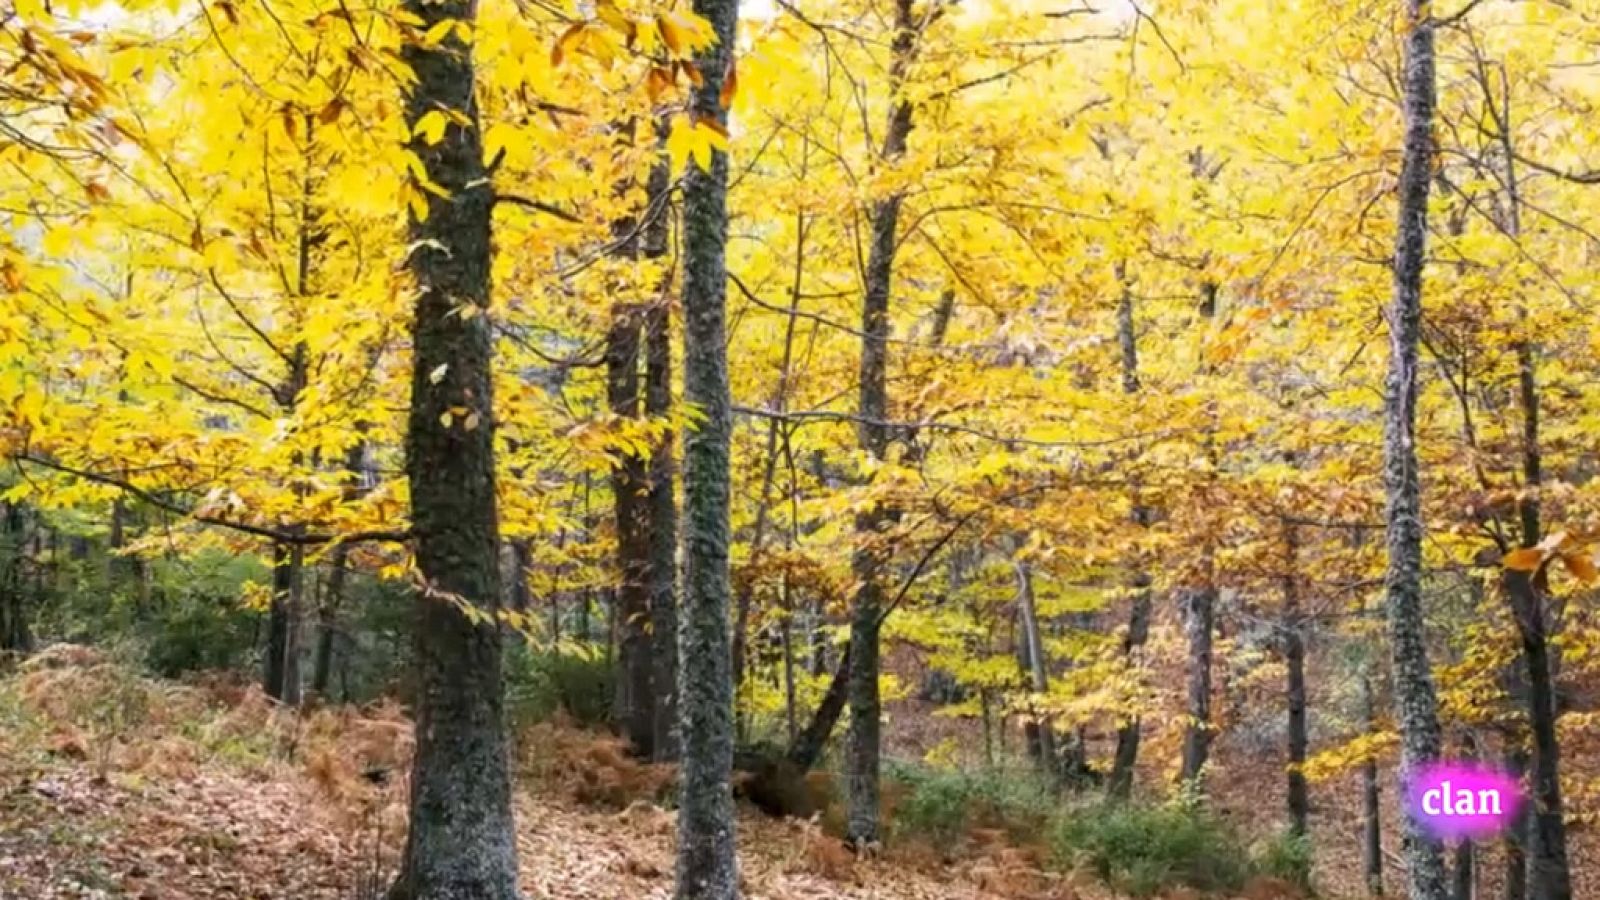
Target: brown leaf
[730, 85]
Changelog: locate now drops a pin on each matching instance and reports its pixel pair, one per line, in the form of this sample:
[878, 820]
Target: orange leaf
[1528, 559]
[730, 85]
[1582, 568]
[330, 113]
[657, 82]
[568, 38]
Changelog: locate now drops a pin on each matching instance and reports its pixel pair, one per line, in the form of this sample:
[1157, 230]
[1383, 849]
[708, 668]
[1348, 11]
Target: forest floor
[113, 785]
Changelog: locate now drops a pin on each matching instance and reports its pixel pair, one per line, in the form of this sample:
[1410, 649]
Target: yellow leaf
[671, 33]
[440, 30]
[431, 126]
[564, 43]
[680, 140]
[417, 202]
[437, 375]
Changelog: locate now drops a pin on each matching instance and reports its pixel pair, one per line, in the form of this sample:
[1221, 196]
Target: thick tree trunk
[1371, 795]
[462, 839]
[281, 676]
[1294, 654]
[707, 868]
[635, 706]
[1415, 700]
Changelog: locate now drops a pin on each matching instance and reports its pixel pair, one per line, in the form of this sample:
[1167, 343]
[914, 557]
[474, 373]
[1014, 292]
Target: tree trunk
[1519, 834]
[1126, 755]
[521, 561]
[662, 497]
[328, 622]
[808, 747]
[1041, 736]
[1199, 625]
[462, 838]
[1294, 653]
[16, 636]
[281, 677]
[707, 868]
[635, 705]
[1549, 875]
[1371, 808]
[1462, 874]
[873, 432]
[1415, 701]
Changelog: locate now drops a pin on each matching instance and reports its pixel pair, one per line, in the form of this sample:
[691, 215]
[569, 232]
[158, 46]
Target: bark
[328, 622]
[807, 748]
[862, 763]
[1199, 625]
[1519, 835]
[707, 868]
[1198, 604]
[635, 705]
[1549, 875]
[1126, 755]
[661, 498]
[281, 676]
[1371, 795]
[1041, 737]
[1294, 653]
[462, 839]
[520, 597]
[1415, 701]
[16, 636]
[1461, 874]
[127, 569]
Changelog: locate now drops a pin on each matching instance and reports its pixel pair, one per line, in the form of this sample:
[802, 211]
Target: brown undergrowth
[117, 785]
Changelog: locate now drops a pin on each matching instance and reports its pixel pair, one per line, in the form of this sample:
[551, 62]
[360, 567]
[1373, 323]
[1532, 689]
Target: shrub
[1142, 850]
[576, 681]
[1287, 857]
[942, 806]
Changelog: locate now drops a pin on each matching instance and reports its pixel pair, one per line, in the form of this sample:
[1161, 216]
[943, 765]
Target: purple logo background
[1462, 800]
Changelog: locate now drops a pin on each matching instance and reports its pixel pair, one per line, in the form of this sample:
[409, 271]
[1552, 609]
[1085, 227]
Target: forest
[899, 449]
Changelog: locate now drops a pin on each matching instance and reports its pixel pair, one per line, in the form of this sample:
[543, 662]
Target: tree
[461, 841]
[1416, 706]
[707, 868]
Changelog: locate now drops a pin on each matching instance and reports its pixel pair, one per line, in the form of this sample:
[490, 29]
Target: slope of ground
[113, 785]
